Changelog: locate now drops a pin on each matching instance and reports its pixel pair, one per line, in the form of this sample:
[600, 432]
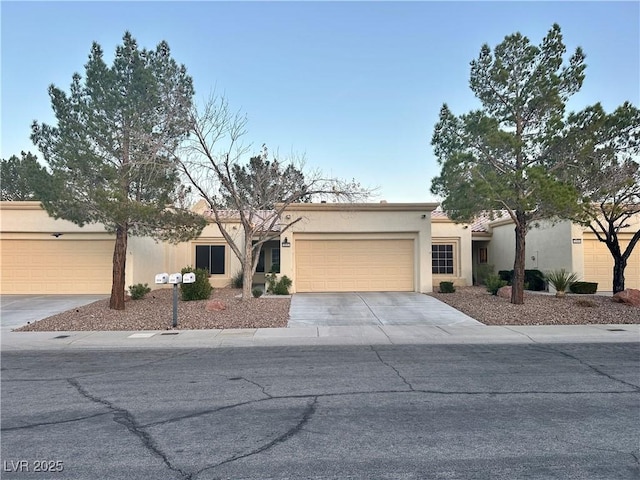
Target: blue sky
[355, 86]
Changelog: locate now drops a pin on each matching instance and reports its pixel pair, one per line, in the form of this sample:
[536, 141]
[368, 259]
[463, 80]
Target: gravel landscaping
[539, 308]
[154, 312]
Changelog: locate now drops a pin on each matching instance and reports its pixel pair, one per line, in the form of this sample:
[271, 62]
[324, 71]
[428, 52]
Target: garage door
[598, 265]
[354, 265]
[56, 266]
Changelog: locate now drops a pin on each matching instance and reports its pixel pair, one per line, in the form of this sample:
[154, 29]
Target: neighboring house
[554, 246]
[334, 247]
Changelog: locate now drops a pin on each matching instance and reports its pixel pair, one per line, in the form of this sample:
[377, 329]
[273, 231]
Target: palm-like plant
[561, 280]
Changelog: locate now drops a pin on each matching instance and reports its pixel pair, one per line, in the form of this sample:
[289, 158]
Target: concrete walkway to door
[372, 308]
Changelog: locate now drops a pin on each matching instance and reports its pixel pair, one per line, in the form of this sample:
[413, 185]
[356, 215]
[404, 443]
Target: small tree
[258, 193]
[500, 157]
[23, 178]
[605, 149]
[112, 149]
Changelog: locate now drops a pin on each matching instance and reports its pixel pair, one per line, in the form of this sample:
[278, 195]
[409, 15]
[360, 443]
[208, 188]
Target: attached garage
[355, 265]
[56, 266]
[598, 265]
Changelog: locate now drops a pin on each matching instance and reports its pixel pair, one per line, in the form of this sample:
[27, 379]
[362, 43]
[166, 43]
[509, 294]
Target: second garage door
[354, 265]
[56, 266]
[598, 265]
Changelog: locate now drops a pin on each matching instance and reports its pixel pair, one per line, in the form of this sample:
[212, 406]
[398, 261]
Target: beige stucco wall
[547, 247]
[176, 257]
[444, 230]
[360, 221]
[145, 257]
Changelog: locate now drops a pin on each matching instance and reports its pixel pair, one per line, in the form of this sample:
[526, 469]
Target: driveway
[372, 308]
[17, 310]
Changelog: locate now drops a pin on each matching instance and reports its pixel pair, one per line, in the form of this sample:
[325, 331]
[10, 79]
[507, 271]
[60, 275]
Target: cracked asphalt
[356, 412]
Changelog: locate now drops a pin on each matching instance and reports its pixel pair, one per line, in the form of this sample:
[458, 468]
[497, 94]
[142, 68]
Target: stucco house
[552, 246]
[334, 247]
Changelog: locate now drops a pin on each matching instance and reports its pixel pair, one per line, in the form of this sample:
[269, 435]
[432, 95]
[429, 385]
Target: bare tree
[214, 174]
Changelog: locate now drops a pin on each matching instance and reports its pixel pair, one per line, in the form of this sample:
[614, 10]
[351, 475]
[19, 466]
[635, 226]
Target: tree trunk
[517, 282]
[619, 264]
[119, 263]
[247, 269]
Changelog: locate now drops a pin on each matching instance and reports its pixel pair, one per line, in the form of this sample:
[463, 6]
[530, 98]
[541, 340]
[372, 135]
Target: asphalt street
[535, 411]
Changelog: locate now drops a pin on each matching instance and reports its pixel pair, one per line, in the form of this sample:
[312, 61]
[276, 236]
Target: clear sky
[355, 86]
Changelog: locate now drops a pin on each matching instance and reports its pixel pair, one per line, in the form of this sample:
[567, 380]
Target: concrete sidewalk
[312, 336]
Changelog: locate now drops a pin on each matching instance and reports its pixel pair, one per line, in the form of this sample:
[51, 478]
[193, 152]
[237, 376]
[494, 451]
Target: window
[260, 267]
[275, 260]
[442, 259]
[482, 255]
[210, 258]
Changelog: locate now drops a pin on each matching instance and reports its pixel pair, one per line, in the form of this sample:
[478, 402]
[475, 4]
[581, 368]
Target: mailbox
[162, 278]
[189, 278]
[175, 278]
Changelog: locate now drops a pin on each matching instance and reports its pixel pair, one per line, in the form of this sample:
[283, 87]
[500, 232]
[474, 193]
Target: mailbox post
[175, 279]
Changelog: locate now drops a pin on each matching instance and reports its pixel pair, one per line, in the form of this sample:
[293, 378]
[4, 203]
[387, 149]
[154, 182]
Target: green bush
[588, 288]
[482, 272]
[561, 280]
[199, 290]
[282, 287]
[257, 292]
[494, 283]
[533, 279]
[275, 268]
[505, 275]
[271, 279]
[237, 280]
[447, 287]
[138, 291]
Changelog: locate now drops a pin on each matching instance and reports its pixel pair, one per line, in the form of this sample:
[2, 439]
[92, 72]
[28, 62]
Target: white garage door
[354, 265]
[598, 265]
[56, 266]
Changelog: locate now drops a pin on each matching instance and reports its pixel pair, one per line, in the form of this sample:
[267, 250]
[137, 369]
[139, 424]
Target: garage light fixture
[286, 243]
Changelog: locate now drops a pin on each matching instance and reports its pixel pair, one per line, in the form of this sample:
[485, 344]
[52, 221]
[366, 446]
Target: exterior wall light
[286, 243]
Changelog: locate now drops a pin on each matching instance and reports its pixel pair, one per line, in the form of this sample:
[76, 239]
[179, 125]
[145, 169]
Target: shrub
[271, 279]
[237, 280]
[199, 290]
[257, 292]
[584, 287]
[494, 283]
[447, 287]
[505, 275]
[275, 268]
[535, 280]
[482, 272]
[282, 287]
[561, 280]
[138, 291]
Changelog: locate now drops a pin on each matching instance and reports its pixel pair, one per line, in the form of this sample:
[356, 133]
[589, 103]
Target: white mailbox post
[175, 279]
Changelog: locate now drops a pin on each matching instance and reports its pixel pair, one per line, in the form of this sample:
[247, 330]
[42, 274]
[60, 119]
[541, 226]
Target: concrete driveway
[372, 308]
[17, 310]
